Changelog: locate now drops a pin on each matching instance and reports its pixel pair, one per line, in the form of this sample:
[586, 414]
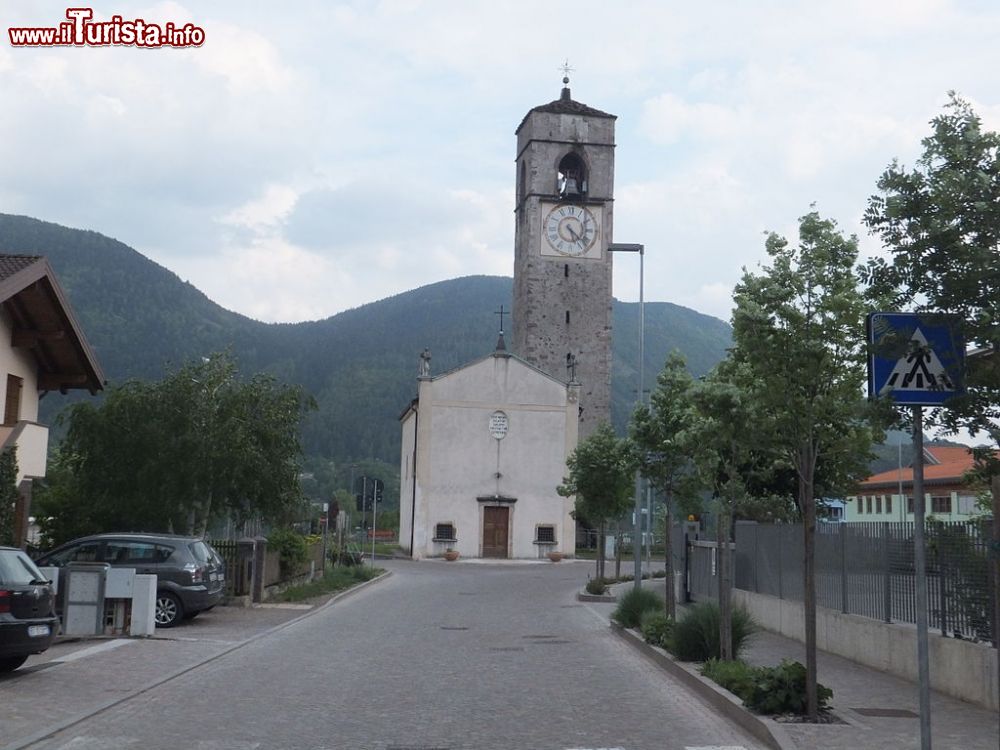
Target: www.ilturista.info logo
[82, 31]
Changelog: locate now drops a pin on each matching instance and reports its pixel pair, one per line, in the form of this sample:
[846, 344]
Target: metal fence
[867, 569]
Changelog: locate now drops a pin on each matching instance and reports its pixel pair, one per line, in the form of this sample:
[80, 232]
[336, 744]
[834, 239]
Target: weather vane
[566, 70]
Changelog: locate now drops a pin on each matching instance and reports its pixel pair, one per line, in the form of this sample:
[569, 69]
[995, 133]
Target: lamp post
[635, 247]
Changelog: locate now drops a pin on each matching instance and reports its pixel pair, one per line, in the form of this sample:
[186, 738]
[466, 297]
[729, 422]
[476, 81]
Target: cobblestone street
[463, 656]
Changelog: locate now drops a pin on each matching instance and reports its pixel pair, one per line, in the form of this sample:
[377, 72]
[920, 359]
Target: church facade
[484, 448]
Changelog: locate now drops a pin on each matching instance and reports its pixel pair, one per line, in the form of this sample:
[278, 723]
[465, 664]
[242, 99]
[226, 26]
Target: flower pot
[555, 556]
[451, 555]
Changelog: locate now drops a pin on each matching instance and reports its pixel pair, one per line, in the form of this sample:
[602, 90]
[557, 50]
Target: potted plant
[451, 555]
[555, 556]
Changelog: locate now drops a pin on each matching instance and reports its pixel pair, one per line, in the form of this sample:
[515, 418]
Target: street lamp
[635, 247]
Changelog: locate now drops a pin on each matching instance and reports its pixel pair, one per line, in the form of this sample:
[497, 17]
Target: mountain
[360, 365]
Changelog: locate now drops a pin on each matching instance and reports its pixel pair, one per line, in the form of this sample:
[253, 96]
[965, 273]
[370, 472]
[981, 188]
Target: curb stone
[763, 728]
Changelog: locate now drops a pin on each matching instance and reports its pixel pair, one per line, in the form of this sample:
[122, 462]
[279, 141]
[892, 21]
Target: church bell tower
[562, 269]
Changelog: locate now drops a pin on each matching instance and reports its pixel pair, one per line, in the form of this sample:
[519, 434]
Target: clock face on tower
[570, 230]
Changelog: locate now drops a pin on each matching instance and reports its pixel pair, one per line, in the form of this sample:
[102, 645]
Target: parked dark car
[190, 575]
[28, 621]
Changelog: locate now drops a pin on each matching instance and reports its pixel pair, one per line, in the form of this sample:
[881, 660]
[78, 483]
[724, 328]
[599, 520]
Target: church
[484, 446]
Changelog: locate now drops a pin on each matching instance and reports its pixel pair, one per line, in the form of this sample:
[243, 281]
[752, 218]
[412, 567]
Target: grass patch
[657, 628]
[335, 580]
[632, 605]
[696, 635]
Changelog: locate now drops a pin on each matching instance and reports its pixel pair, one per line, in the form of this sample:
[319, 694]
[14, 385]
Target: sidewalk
[955, 724]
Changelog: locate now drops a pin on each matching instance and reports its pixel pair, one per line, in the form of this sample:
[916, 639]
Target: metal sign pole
[374, 503]
[919, 562]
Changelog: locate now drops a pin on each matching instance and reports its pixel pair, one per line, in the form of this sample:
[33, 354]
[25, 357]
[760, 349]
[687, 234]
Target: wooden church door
[495, 531]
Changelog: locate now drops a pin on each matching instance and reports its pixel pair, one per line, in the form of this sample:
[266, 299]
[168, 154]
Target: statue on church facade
[425, 363]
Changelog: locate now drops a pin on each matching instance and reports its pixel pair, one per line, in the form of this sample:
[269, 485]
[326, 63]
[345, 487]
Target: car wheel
[10, 663]
[169, 610]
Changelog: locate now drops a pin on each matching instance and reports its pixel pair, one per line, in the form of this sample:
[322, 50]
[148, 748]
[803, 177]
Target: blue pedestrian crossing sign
[916, 358]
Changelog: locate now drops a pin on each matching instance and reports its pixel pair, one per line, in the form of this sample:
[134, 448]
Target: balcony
[32, 443]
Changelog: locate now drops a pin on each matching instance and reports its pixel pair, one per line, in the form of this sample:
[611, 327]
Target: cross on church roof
[501, 312]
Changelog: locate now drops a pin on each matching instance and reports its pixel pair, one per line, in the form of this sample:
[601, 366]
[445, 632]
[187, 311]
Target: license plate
[34, 631]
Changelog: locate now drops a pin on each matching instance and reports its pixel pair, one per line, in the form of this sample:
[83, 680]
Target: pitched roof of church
[565, 105]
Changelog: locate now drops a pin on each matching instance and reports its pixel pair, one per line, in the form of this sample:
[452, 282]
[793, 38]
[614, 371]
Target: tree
[662, 457]
[174, 454]
[798, 330]
[721, 436]
[601, 471]
[940, 223]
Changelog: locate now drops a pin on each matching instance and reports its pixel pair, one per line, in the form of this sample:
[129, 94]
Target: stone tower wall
[545, 288]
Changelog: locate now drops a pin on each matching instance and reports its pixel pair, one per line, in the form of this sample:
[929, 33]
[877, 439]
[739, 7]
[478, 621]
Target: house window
[546, 534]
[12, 406]
[878, 504]
[966, 505]
[909, 505]
[888, 503]
[868, 504]
[941, 504]
[861, 506]
[444, 532]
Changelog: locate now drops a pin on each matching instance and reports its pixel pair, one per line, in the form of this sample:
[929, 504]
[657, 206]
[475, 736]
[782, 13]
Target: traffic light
[360, 502]
[378, 491]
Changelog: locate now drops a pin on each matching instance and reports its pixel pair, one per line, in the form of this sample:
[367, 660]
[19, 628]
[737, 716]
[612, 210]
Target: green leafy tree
[8, 495]
[940, 222]
[798, 332]
[172, 455]
[601, 471]
[722, 437]
[663, 459]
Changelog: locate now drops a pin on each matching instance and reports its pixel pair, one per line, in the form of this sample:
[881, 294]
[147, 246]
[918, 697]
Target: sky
[311, 157]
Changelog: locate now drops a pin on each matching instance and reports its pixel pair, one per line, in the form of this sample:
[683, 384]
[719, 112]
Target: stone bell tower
[562, 269]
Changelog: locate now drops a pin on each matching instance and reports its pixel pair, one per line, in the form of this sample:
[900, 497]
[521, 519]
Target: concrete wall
[958, 668]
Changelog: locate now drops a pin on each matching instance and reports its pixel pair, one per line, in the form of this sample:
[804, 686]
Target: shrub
[596, 586]
[782, 690]
[291, 549]
[633, 604]
[696, 635]
[657, 628]
[735, 676]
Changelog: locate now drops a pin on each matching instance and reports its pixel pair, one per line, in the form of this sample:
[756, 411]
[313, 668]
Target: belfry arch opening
[571, 181]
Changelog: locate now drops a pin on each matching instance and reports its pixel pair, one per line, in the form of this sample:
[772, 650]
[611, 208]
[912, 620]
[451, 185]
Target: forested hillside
[360, 365]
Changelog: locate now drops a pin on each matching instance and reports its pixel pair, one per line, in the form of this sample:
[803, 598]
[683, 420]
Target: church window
[571, 181]
[546, 534]
[444, 532]
[567, 317]
[566, 270]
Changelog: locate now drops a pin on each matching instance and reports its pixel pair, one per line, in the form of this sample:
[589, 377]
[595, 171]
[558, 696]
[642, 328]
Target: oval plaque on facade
[498, 425]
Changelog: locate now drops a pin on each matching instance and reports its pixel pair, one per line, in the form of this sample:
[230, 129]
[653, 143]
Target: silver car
[190, 575]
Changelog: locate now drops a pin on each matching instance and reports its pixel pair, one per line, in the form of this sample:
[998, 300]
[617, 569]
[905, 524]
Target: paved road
[456, 656]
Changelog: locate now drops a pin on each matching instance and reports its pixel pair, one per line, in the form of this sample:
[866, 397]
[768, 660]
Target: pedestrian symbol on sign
[920, 370]
[916, 358]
